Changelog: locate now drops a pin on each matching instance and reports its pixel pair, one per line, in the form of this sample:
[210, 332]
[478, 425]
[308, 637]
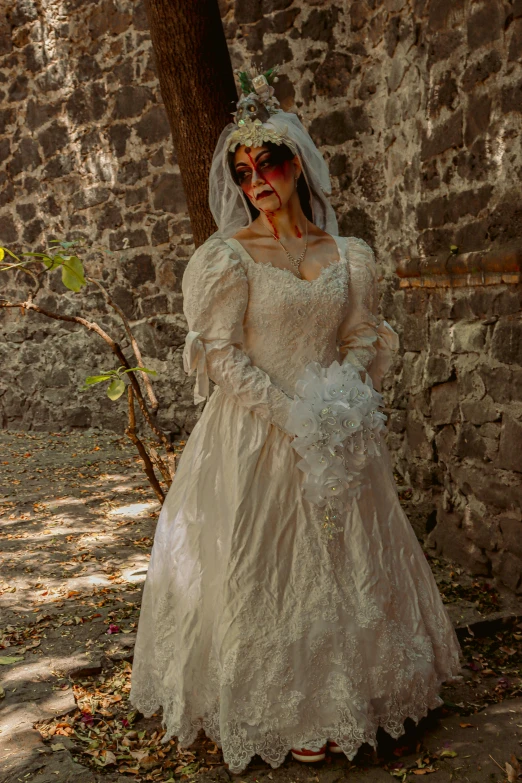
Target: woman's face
[268, 183]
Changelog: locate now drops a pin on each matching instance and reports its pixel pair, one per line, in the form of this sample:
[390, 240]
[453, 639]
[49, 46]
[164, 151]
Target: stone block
[397, 421]
[58, 166]
[8, 232]
[37, 114]
[506, 343]
[277, 52]
[418, 437]
[444, 13]
[139, 270]
[449, 541]
[445, 441]
[283, 21]
[126, 300]
[481, 528]
[106, 18]
[80, 416]
[110, 218]
[479, 411]
[440, 340]
[320, 24]
[248, 11]
[443, 93]
[508, 568]
[340, 126]
[87, 103]
[477, 73]
[26, 211]
[484, 24]
[125, 239]
[153, 126]
[468, 337]
[442, 45]
[469, 382]
[333, 75]
[25, 158]
[445, 136]
[511, 98]
[136, 196]
[515, 45]
[478, 116]
[160, 233]
[84, 199]
[118, 136]
[469, 443]
[53, 138]
[515, 388]
[445, 403]
[168, 194]
[133, 171]
[438, 370]
[33, 231]
[511, 529]
[131, 101]
[510, 450]
[495, 488]
[154, 305]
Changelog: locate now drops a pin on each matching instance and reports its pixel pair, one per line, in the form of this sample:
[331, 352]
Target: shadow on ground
[77, 524]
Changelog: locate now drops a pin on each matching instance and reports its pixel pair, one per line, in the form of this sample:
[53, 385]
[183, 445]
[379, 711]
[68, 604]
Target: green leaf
[91, 379]
[52, 263]
[72, 273]
[116, 389]
[2, 253]
[7, 661]
[10, 253]
[448, 754]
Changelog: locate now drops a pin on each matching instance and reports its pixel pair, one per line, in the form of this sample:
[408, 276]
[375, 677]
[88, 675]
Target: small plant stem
[131, 434]
[116, 349]
[137, 353]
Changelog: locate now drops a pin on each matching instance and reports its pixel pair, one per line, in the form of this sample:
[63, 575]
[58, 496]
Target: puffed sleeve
[215, 297]
[364, 338]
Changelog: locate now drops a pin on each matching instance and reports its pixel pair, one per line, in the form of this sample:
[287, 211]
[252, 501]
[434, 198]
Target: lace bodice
[254, 326]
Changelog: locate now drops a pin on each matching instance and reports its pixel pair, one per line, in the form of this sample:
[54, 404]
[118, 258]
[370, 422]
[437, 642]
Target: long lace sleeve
[365, 339]
[215, 297]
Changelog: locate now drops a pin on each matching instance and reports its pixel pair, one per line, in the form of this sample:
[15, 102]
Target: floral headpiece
[254, 109]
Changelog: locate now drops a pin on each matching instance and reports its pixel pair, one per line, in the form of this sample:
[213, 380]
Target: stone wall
[416, 104]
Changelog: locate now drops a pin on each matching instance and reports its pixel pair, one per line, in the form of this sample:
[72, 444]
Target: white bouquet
[336, 421]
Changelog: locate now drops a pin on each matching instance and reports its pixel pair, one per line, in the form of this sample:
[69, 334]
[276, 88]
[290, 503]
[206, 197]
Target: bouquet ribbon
[337, 425]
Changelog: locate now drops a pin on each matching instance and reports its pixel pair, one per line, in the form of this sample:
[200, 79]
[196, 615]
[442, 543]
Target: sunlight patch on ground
[133, 509]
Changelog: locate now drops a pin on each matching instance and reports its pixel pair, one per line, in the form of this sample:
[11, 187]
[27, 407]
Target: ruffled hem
[273, 747]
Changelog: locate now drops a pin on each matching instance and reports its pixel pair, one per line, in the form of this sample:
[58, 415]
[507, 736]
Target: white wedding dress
[254, 626]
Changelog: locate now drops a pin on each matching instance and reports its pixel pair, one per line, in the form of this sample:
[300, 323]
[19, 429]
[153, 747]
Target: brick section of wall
[417, 106]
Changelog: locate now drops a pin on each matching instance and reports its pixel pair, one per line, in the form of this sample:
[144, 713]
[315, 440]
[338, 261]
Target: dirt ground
[77, 523]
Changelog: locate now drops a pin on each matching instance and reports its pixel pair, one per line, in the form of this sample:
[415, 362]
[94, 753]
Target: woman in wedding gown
[255, 626]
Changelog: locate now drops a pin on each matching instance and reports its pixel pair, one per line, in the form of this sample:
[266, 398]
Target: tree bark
[198, 89]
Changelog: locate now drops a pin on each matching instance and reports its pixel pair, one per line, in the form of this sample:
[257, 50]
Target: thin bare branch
[135, 347]
[131, 434]
[116, 349]
[160, 464]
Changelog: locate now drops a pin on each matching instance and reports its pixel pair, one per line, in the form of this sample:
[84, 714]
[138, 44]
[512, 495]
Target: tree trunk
[198, 89]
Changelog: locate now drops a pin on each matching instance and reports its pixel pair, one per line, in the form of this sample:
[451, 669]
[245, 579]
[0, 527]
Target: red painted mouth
[264, 194]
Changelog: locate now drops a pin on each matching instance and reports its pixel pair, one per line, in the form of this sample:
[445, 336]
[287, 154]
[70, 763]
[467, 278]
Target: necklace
[295, 262]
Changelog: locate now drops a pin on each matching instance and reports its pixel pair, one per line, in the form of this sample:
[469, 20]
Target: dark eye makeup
[263, 163]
